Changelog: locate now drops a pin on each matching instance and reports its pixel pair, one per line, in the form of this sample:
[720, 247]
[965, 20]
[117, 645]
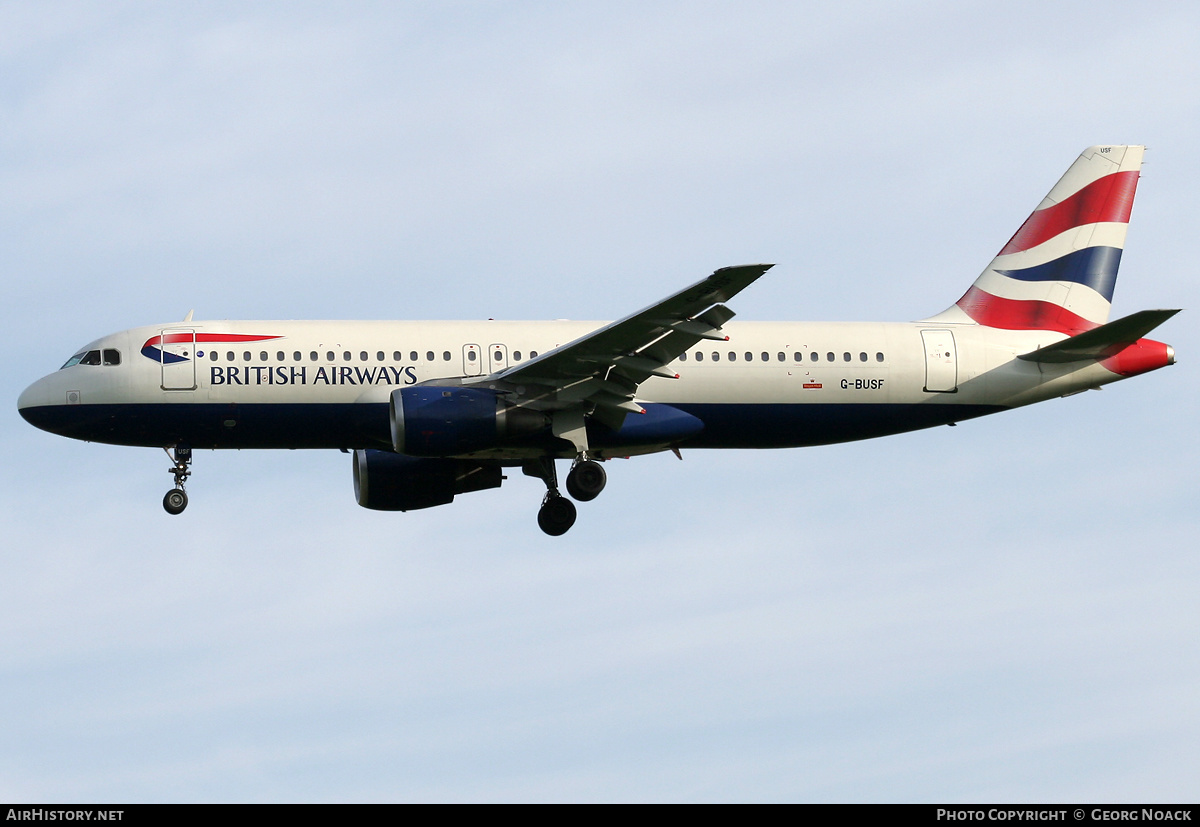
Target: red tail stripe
[1106, 199]
[1021, 314]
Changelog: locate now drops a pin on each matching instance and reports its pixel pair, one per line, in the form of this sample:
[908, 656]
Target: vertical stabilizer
[1059, 269]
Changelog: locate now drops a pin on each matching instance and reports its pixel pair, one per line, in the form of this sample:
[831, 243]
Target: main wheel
[556, 516]
[586, 480]
[175, 501]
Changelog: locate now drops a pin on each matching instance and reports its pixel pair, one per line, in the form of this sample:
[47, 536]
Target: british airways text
[331, 375]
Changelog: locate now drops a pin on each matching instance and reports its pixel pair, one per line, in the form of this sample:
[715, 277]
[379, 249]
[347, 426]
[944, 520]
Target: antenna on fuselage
[188, 317]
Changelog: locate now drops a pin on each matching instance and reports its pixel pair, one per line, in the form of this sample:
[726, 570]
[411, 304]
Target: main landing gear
[557, 514]
[584, 482]
[176, 499]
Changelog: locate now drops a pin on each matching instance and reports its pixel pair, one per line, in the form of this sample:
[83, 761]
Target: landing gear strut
[176, 499]
[557, 514]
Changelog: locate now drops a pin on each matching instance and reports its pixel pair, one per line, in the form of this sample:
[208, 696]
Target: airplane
[432, 410]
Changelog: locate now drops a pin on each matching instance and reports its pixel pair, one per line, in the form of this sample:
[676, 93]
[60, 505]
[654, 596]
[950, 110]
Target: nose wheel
[175, 500]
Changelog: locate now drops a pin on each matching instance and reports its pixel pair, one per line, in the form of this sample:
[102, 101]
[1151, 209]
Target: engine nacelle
[438, 421]
[384, 481]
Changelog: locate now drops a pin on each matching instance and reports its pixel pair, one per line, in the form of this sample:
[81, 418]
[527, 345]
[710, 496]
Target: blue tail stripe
[1094, 266]
[151, 352]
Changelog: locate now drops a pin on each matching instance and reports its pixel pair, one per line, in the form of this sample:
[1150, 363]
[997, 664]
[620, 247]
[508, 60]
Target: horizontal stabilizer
[1101, 342]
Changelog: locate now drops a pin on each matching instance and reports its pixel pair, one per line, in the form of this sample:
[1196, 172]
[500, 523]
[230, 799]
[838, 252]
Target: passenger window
[878, 357]
[716, 356]
[345, 355]
[445, 356]
[829, 356]
[862, 357]
[732, 356]
[329, 355]
[412, 356]
[814, 357]
[683, 357]
[262, 356]
[112, 357]
[297, 356]
[212, 354]
[516, 355]
[229, 356]
[246, 356]
[846, 356]
[362, 357]
[797, 356]
[313, 356]
[781, 356]
[749, 356]
[396, 357]
[766, 357]
[280, 356]
[533, 354]
[379, 356]
[499, 356]
[429, 356]
[699, 356]
[470, 356]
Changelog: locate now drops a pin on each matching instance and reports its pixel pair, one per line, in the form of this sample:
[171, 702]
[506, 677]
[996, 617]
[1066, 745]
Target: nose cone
[29, 399]
[38, 402]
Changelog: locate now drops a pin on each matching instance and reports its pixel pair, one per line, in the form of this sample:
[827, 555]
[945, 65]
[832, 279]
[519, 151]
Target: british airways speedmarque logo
[153, 349]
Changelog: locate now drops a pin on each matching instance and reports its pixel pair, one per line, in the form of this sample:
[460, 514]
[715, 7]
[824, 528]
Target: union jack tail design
[1059, 270]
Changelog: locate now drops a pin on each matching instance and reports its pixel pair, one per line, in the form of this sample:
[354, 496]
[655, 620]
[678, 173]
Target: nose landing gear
[176, 499]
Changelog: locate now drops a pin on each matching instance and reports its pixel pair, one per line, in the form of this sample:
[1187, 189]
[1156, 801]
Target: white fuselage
[772, 384]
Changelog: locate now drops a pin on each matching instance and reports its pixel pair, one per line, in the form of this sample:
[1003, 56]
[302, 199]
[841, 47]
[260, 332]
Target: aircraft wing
[602, 370]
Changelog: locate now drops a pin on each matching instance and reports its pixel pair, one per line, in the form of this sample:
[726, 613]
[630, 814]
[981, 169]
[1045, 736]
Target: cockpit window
[93, 357]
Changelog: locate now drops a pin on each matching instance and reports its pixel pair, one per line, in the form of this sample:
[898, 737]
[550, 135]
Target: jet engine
[436, 421]
[384, 481]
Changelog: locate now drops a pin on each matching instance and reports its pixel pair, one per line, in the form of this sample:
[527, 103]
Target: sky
[1000, 612]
